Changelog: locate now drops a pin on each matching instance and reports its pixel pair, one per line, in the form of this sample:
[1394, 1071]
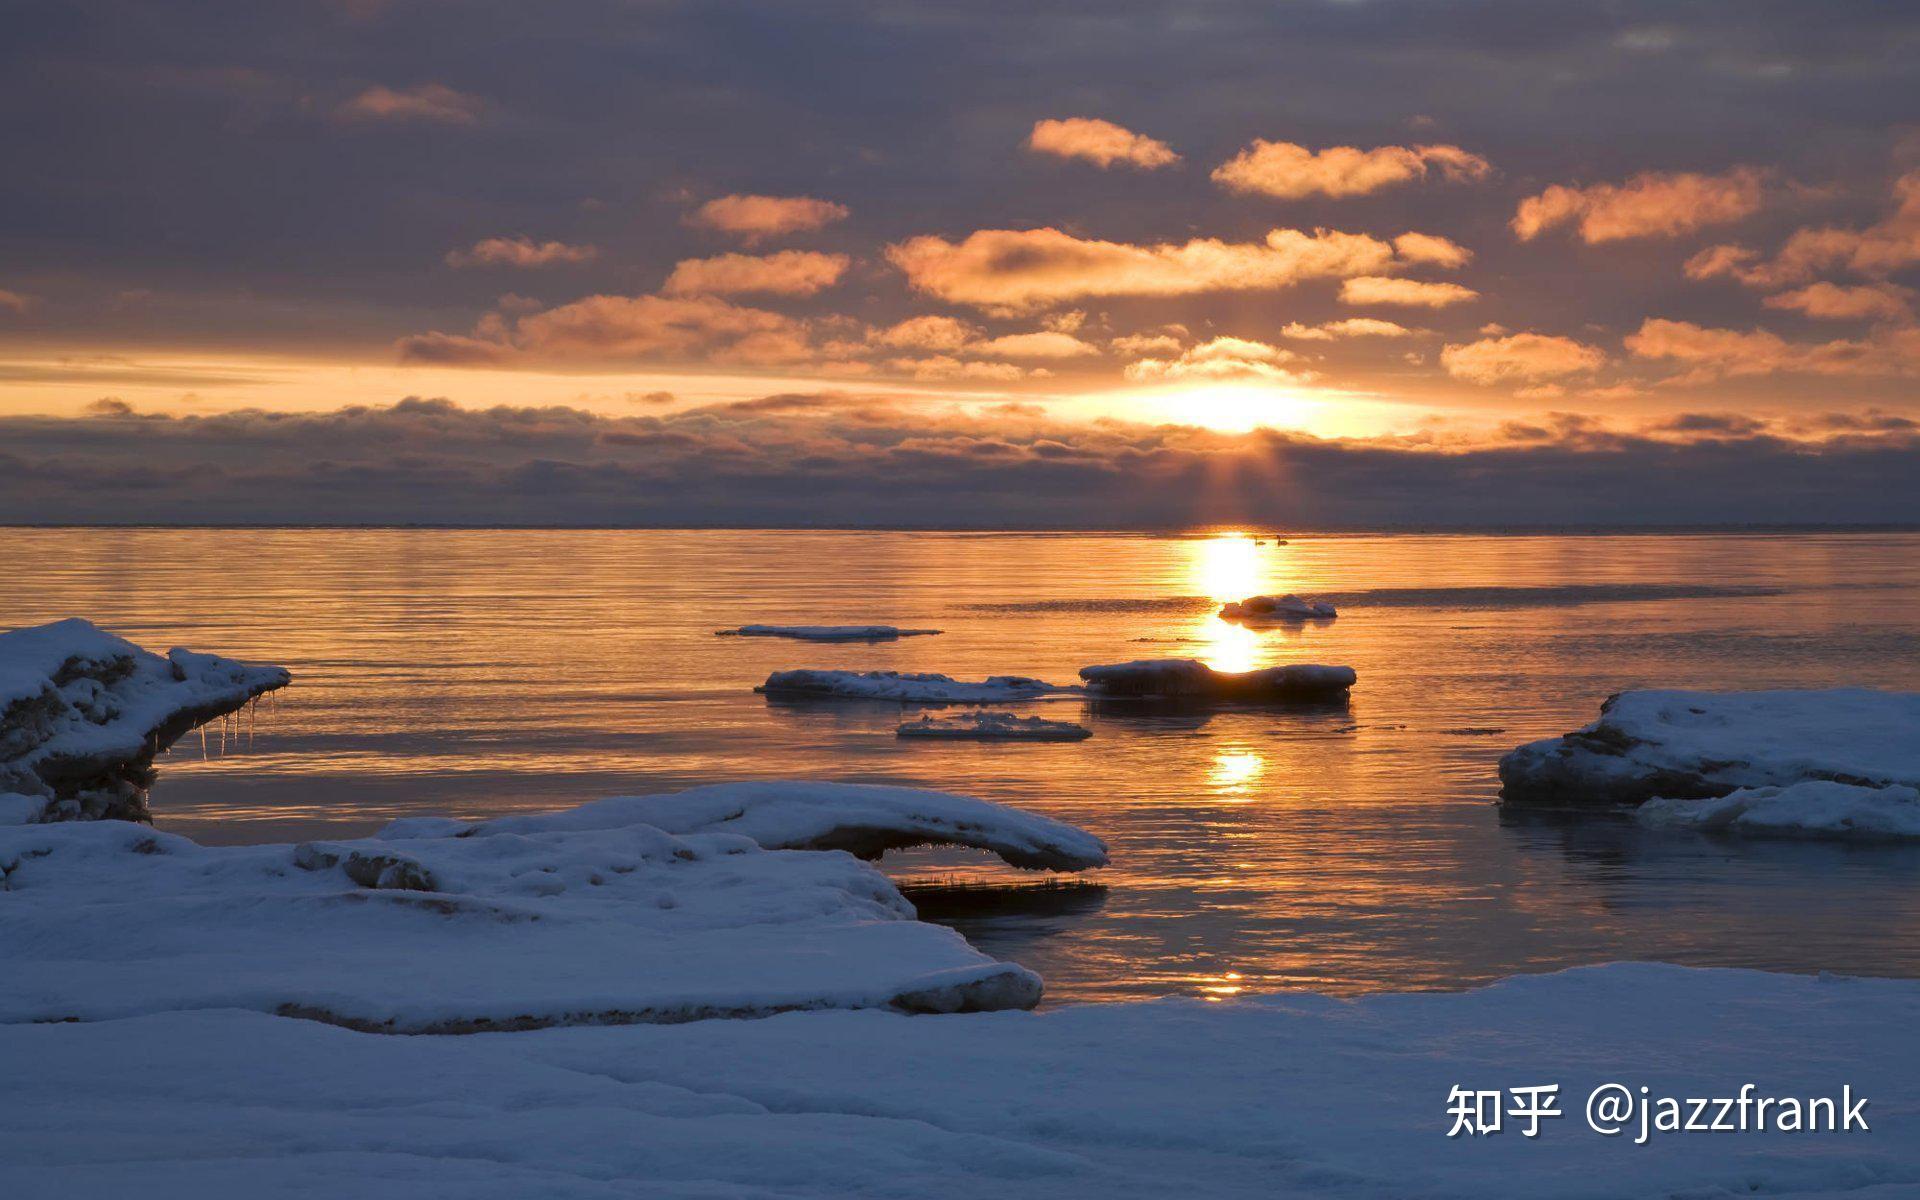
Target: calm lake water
[477, 673]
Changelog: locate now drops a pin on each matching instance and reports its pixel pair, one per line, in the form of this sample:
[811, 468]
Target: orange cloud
[1291, 171]
[1350, 328]
[945, 366]
[425, 102]
[926, 333]
[15, 302]
[624, 327]
[1018, 270]
[1048, 344]
[1876, 251]
[1832, 302]
[1099, 142]
[788, 273]
[1373, 289]
[1719, 353]
[1146, 344]
[1520, 357]
[520, 252]
[1429, 249]
[1651, 204]
[1222, 358]
[757, 218]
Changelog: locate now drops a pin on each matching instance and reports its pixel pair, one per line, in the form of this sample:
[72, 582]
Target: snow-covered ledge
[82, 713]
[1697, 745]
[640, 909]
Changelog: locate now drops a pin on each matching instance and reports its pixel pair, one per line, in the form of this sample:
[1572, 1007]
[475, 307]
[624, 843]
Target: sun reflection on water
[1231, 566]
[1235, 771]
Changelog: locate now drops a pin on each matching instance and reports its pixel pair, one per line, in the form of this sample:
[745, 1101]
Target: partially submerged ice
[1817, 808]
[1278, 608]
[715, 902]
[828, 633]
[1191, 679]
[994, 727]
[1696, 745]
[906, 687]
[82, 713]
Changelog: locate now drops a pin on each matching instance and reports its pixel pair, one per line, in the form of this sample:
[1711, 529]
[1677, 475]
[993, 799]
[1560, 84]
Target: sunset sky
[1040, 263]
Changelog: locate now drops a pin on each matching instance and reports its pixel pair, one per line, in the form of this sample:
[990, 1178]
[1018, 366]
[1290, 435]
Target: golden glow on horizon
[1239, 407]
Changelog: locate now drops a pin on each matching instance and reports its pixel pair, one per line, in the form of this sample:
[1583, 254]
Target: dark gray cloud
[830, 460]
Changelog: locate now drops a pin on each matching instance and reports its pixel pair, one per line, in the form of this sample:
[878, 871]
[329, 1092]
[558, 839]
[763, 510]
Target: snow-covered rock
[1272, 1098]
[828, 633]
[996, 727]
[661, 908]
[1191, 679]
[1694, 745]
[1815, 809]
[82, 713]
[905, 687]
[1278, 608]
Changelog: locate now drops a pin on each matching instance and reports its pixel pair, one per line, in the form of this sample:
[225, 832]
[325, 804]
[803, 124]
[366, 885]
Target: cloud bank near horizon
[826, 459]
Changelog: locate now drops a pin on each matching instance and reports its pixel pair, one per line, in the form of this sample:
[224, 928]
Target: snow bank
[1283, 1096]
[1693, 745]
[828, 633]
[1279, 608]
[1191, 679]
[995, 726]
[82, 713]
[905, 687]
[1817, 808]
[650, 908]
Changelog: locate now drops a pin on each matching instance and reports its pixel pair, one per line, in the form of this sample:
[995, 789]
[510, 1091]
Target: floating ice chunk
[995, 726]
[1692, 745]
[652, 908]
[863, 819]
[1279, 608]
[907, 687]
[828, 633]
[1191, 679]
[82, 713]
[1814, 809]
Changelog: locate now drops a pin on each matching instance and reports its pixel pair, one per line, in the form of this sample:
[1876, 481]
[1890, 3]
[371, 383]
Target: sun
[1237, 407]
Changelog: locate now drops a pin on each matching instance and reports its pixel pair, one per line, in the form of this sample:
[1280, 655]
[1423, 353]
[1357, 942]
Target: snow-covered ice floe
[1273, 1097]
[994, 726]
[717, 901]
[905, 687]
[1278, 608]
[1191, 679]
[828, 633]
[82, 713]
[1814, 809]
[1694, 745]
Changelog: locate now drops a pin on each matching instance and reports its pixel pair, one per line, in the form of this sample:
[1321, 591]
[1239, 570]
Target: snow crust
[828, 633]
[1269, 1098]
[644, 908]
[906, 687]
[1191, 679]
[1695, 745]
[82, 713]
[994, 726]
[1817, 809]
[1279, 608]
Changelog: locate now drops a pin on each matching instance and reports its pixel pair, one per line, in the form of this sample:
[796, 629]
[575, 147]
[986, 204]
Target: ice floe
[828, 633]
[906, 687]
[647, 908]
[1278, 608]
[82, 713]
[1191, 679]
[1814, 809]
[1279, 1096]
[994, 726]
[1693, 745]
